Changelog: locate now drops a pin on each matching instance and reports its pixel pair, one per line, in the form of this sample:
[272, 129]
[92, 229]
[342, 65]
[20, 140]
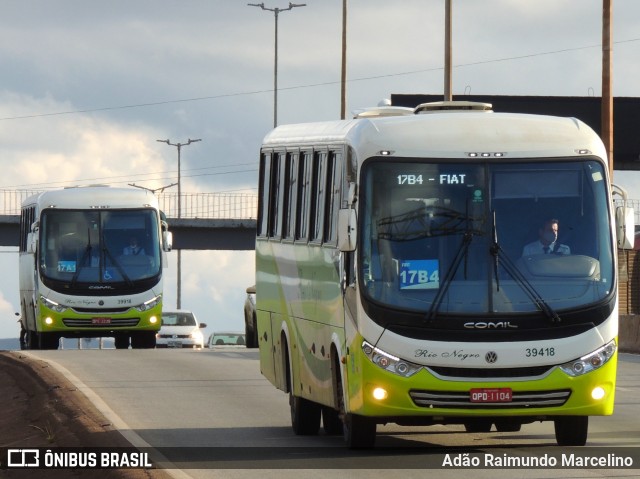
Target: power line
[310, 85]
[131, 177]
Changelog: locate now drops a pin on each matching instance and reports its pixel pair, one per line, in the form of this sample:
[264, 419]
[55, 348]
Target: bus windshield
[458, 238]
[82, 249]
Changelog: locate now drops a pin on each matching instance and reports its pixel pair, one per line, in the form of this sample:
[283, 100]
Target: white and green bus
[82, 275]
[391, 284]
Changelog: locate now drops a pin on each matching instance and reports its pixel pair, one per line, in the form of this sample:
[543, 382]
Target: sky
[87, 89]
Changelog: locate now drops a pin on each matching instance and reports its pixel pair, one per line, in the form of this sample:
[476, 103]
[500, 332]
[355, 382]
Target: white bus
[91, 263]
[393, 284]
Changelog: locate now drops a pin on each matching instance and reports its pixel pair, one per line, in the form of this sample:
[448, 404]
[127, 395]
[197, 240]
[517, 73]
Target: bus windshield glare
[454, 238]
[81, 248]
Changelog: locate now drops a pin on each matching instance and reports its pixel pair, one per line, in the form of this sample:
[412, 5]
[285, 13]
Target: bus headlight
[591, 361]
[152, 303]
[389, 362]
[58, 308]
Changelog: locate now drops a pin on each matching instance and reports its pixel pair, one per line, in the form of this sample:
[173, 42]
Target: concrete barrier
[629, 333]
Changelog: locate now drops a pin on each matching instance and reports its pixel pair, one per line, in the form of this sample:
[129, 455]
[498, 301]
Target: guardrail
[192, 205]
[200, 205]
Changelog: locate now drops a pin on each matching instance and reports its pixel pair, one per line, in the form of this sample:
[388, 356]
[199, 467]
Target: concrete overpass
[208, 221]
[188, 233]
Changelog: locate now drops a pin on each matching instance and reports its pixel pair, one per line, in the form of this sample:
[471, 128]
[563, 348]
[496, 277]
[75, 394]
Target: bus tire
[478, 425]
[305, 416]
[32, 340]
[49, 341]
[143, 340]
[359, 431]
[571, 430]
[121, 341]
[331, 421]
[506, 425]
[251, 336]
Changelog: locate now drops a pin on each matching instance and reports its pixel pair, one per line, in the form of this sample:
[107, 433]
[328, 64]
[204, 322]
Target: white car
[180, 329]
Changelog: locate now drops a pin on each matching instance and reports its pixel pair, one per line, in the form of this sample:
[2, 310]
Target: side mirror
[32, 242]
[347, 232]
[167, 241]
[625, 219]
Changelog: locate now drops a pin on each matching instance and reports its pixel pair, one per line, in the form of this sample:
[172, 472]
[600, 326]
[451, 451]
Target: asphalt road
[210, 413]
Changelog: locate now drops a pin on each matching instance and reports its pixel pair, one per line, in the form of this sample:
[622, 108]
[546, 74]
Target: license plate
[174, 344]
[491, 395]
[100, 320]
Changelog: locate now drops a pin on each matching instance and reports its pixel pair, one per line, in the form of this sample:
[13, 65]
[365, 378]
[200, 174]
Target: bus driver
[548, 241]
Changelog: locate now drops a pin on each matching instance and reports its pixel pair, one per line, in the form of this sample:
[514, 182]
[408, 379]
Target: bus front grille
[462, 400]
[92, 323]
[490, 373]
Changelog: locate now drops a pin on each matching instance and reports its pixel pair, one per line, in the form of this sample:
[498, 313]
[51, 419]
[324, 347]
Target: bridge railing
[192, 205]
[199, 205]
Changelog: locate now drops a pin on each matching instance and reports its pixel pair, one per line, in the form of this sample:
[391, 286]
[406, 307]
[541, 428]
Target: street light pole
[179, 147]
[448, 96]
[607, 81]
[343, 72]
[276, 12]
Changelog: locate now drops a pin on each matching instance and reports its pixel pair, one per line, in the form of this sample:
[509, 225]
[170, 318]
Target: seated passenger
[548, 241]
[133, 249]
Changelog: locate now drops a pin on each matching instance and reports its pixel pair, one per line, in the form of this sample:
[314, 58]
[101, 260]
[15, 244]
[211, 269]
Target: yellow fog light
[598, 393]
[153, 320]
[48, 321]
[379, 394]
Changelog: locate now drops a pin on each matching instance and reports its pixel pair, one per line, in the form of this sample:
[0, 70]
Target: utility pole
[607, 81]
[179, 147]
[447, 51]
[276, 12]
[343, 75]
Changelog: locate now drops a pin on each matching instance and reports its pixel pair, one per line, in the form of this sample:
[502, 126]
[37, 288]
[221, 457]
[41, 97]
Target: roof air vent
[452, 106]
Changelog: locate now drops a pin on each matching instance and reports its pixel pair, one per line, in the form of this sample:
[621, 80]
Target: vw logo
[491, 357]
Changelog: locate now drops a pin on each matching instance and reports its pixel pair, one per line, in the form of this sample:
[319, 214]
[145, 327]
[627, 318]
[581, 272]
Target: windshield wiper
[463, 252]
[498, 253]
[424, 222]
[80, 265]
[107, 253]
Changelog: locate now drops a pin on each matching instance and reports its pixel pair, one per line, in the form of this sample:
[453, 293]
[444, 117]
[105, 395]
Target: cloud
[104, 61]
[47, 152]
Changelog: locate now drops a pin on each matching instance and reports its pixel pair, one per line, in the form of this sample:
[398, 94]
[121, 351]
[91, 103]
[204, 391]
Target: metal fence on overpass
[192, 205]
[208, 221]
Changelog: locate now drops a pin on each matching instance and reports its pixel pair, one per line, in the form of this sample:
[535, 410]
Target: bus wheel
[143, 340]
[32, 340]
[121, 341]
[478, 425]
[571, 430]
[331, 421]
[49, 341]
[506, 425]
[305, 416]
[251, 336]
[359, 431]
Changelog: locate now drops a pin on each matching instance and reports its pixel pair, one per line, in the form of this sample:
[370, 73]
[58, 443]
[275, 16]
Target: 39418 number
[539, 352]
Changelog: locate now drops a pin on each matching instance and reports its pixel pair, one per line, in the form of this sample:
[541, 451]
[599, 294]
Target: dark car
[250, 324]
